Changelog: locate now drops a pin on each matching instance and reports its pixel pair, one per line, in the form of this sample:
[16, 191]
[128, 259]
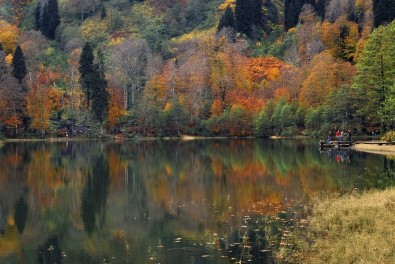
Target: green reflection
[94, 195]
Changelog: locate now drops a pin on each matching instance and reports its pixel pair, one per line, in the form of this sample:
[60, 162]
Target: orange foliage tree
[42, 99]
[324, 74]
[115, 107]
[341, 38]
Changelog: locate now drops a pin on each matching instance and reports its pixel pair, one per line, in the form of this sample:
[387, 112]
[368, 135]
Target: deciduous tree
[129, 62]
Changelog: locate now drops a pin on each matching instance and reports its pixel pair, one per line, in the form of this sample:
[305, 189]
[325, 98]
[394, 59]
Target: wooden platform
[335, 144]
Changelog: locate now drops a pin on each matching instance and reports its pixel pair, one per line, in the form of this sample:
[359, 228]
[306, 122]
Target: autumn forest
[196, 67]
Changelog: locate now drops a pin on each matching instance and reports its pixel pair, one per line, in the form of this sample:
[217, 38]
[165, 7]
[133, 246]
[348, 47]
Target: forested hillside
[198, 67]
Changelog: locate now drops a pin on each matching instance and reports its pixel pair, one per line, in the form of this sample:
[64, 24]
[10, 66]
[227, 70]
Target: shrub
[389, 136]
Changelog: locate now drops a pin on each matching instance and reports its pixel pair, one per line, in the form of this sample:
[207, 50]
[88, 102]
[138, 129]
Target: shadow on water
[206, 201]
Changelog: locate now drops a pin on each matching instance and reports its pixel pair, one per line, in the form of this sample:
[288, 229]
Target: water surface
[206, 201]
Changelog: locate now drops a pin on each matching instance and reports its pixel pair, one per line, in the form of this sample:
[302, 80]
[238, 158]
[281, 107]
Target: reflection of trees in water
[13, 185]
[49, 252]
[94, 195]
[166, 189]
[263, 238]
[20, 211]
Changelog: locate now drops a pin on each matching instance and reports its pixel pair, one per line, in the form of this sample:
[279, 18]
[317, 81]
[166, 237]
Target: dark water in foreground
[207, 201]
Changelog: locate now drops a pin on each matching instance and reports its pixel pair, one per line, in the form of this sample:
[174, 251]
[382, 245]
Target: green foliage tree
[284, 121]
[172, 121]
[375, 80]
[384, 11]
[227, 19]
[263, 125]
[314, 120]
[19, 69]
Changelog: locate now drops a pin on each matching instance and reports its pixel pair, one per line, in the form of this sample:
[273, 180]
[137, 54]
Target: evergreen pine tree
[54, 19]
[3, 66]
[103, 13]
[384, 11]
[243, 18]
[292, 10]
[44, 23]
[50, 19]
[37, 16]
[100, 95]
[227, 19]
[272, 12]
[86, 70]
[18, 64]
[257, 18]
[321, 8]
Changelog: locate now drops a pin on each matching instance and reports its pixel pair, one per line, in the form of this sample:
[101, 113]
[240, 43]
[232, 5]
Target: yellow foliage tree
[8, 36]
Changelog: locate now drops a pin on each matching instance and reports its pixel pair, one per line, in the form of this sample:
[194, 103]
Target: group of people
[340, 136]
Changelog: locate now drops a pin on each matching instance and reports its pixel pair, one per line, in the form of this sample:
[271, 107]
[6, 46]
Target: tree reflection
[21, 210]
[164, 190]
[94, 195]
[50, 253]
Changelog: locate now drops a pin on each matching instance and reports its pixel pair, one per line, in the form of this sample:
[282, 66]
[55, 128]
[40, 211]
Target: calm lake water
[206, 201]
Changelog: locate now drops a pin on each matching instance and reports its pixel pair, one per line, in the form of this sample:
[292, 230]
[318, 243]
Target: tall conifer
[3, 66]
[37, 16]
[321, 8]
[100, 95]
[50, 19]
[227, 19]
[384, 11]
[257, 18]
[86, 70]
[243, 16]
[292, 10]
[54, 19]
[103, 13]
[18, 64]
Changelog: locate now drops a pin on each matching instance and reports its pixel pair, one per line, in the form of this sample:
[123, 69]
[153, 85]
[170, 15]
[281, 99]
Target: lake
[203, 201]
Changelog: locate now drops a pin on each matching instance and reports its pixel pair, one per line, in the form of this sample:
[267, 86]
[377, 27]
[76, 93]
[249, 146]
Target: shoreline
[388, 150]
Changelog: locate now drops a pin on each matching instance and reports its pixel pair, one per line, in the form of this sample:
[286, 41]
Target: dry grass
[357, 228]
[388, 150]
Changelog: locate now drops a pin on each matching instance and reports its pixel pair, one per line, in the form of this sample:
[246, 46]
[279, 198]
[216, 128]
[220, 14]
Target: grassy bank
[358, 228]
